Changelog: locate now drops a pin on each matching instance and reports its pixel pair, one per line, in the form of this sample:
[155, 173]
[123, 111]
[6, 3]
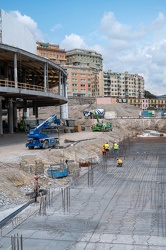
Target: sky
[129, 34]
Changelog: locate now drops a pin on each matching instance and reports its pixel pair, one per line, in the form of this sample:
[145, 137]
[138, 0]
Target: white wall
[16, 34]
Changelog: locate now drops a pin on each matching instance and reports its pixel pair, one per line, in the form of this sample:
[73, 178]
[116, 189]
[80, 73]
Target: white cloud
[29, 23]
[140, 50]
[73, 41]
[115, 30]
[56, 27]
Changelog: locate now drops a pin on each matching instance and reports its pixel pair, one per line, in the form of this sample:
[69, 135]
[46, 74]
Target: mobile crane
[38, 139]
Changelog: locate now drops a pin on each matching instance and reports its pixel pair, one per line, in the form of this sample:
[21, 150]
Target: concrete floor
[106, 208]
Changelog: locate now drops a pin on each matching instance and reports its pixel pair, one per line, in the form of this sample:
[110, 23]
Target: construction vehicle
[100, 126]
[36, 137]
[99, 112]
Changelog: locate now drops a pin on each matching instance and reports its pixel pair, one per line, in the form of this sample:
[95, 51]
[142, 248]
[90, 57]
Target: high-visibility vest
[116, 146]
[103, 149]
[106, 146]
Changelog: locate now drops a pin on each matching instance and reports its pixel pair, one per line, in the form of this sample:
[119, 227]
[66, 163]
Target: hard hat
[35, 177]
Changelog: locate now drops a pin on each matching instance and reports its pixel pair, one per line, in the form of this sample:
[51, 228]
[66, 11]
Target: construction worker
[115, 147]
[103, 149]
[36, 187]
[107, 148]
[119, 162]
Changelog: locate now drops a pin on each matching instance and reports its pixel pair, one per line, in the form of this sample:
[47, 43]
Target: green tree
[149, 95]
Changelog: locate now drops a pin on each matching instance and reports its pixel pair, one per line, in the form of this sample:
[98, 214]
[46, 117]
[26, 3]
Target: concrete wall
[14, 33]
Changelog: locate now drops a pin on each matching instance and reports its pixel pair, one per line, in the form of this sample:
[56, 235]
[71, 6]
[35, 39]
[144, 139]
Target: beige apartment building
[84, 62]
[51, 52]
[123, 85]
[87, 58]
[79, 80]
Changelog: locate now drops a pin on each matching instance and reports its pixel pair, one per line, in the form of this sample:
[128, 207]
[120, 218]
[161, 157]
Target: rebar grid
[122, 208]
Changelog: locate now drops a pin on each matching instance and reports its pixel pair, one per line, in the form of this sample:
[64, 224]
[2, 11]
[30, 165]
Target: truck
[100, 125]
[36, 137]
[90, 113]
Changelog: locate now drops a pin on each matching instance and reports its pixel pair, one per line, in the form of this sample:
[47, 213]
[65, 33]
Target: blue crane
[36, 138]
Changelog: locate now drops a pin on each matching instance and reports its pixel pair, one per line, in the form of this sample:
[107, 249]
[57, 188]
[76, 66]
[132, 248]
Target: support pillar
[64, 107]
[10, 116]
[35, 109]
[25, 109]
[15, 71]
[60, 83]
[45, 77]
[15, 123]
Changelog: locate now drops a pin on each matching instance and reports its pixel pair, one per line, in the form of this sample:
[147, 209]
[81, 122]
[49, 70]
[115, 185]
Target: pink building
[145, 103]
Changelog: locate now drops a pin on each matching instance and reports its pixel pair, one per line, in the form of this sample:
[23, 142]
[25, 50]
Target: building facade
[78, 80]
[123, 85]
[87, 58]
[145, 103]
[51, 52]
[97, 84]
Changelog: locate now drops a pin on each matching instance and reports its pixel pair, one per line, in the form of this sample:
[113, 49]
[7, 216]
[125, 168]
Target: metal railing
[27, 86]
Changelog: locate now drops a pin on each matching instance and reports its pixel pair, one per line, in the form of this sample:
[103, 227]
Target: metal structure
[28, 80]
[36, 137]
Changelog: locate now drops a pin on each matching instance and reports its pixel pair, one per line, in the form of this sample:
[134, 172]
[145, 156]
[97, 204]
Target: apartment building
[85, 62]
[123, 85]
[51, 52]
[78, 80]
[87, 58]
[143, 103]
[97, 84]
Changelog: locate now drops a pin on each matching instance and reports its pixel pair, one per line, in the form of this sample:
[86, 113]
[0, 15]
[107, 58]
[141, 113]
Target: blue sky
[130, 34]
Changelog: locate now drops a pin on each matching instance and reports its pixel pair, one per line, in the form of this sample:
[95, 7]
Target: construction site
[97, 205]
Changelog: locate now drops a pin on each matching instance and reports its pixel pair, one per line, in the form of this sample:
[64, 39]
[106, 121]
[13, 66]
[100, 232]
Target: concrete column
[35, 109]
[64, 85]
[60, 83]
[10, 116]
[15, 124]
[15, 71]
[1, 124]
[45, 77]
[64, 107]
[25, 109]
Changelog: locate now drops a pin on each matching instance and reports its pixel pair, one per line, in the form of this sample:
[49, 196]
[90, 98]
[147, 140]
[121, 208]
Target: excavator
[100, 126]
[36, 137]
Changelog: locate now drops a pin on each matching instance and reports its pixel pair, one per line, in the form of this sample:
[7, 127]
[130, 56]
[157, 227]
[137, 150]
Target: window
[83, 85]
[74, 80]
